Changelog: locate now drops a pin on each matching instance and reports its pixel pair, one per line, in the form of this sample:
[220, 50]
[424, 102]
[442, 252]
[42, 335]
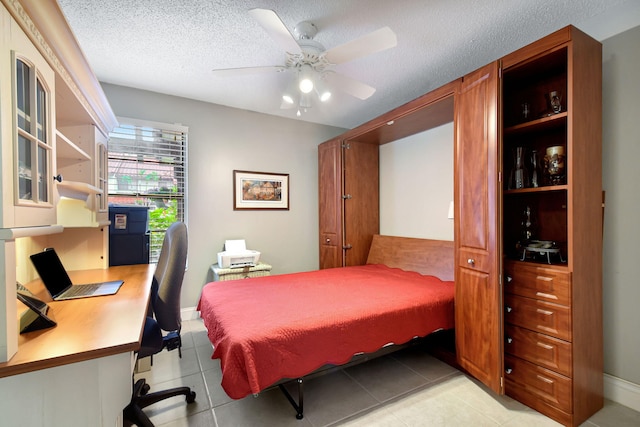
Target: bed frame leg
[299, 405]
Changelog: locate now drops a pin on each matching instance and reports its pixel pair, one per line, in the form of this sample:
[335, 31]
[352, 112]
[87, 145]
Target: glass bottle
[519, 175]
[528, 226]
[535, 169]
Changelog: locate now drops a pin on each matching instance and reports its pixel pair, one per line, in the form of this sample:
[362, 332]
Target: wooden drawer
[540, 349]
[536, 281]
[531, 382]
[474, 259]
[329, 239]
[538, 316]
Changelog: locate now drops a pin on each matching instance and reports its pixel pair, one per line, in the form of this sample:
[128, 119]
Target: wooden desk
[79, 372]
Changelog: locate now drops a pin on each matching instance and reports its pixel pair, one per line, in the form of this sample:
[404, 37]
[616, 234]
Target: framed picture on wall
[260, 190]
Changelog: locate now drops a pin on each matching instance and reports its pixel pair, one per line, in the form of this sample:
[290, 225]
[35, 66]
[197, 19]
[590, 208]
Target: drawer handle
[509, 340]
[508, 371]
[471, 261]
[509, 309]
[328, 240]
[509, 279]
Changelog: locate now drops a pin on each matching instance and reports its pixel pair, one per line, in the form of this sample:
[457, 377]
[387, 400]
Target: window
[147, 167]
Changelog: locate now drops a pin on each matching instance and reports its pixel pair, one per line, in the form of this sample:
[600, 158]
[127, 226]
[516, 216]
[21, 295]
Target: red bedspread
[286, 326]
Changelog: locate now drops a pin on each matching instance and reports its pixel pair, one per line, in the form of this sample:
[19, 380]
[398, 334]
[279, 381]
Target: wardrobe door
[478, 292]
[361, 200]
[330, 203]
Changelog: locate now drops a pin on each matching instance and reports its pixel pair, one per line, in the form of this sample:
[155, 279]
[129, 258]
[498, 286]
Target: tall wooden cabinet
[529, 226]
[476, 228]
[348, 201]
[552, 228]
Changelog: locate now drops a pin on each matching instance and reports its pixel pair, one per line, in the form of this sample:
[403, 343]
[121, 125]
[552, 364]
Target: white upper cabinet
[28, 118]
[55, 121]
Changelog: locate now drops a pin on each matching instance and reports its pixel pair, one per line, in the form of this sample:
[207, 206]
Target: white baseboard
[621, 391]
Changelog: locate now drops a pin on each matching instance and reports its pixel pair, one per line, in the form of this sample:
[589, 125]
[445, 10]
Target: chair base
[133, 413]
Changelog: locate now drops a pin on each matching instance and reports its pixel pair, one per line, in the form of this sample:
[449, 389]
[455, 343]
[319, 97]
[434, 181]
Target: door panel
[330, 203]
[361, 202]
[479, 343]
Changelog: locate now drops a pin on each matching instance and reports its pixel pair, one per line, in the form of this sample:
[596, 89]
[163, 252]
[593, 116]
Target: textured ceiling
[171, 47]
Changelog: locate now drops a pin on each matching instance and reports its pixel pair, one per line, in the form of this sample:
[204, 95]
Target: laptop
[57, 281]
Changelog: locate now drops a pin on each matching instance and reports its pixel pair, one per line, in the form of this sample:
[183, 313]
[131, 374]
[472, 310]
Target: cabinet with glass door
[31, 129]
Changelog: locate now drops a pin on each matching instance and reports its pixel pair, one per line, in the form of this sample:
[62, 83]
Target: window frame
[141, 132]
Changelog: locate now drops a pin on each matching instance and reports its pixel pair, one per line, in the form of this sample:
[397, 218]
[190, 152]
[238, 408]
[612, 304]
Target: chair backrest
[168, 277]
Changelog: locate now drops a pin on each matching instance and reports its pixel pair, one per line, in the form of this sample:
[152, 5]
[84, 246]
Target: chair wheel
[145, 389]
[191, 397]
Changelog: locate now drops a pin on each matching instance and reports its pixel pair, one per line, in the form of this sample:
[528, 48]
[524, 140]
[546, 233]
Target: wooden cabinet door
[330, 203]
[478, 308]
[361, 200]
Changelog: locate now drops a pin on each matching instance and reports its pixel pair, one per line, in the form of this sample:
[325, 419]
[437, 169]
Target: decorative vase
[554, 165]
[519, 176]
[535, 169]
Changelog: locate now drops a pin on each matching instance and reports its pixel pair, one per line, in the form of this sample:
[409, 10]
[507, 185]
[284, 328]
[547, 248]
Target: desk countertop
[88, 328]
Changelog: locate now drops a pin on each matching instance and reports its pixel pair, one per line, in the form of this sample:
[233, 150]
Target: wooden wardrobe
[528, 246]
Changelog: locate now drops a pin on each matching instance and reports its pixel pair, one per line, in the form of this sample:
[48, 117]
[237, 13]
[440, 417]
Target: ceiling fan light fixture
[306, 85]
[321, 90]
[287, 98]
[305, 101]
[290, 95]
[305, 81]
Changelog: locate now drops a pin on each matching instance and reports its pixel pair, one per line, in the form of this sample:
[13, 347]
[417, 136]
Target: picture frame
[260, 190]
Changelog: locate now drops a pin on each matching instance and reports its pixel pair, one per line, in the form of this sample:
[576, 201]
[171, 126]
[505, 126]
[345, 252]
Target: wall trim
[622, 391]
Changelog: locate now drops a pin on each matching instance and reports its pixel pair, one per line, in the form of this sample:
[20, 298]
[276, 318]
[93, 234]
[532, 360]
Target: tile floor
[407, 388]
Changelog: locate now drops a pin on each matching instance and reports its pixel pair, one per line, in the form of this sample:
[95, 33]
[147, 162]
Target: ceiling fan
[311, 63]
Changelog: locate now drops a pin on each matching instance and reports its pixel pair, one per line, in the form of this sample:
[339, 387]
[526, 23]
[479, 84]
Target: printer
[236, 255]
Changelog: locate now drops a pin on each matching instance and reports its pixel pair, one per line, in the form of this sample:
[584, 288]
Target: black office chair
[164, 315]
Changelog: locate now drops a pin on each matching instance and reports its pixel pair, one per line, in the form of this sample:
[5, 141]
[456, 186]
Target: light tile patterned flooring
[407, 388]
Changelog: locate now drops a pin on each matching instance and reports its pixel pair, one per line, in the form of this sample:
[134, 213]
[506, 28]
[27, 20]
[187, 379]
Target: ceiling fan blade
[244, 71]
[273, 25]
[377, 41]
[351, 86]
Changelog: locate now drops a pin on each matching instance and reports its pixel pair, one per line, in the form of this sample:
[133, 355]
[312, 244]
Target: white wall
[621, 175]
[222, 139]
[416, 185]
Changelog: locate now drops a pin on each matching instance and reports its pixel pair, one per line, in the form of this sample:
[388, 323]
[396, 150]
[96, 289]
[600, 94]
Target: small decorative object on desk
[554, 165]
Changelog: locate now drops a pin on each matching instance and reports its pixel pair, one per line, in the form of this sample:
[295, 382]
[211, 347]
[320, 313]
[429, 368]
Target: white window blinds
[147, 167]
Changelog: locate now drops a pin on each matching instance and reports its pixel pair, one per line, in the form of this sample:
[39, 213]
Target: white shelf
[14, 233]
[77, 190]
[68, 153]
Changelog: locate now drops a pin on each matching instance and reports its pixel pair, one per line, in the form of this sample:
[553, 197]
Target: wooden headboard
[432, 257]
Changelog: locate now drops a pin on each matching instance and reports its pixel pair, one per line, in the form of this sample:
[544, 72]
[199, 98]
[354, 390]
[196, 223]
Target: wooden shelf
[538, 125]
[538, 189]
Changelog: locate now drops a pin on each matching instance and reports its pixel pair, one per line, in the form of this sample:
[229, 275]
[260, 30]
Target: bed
[270, 329]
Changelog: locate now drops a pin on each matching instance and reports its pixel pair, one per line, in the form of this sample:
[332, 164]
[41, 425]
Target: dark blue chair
[163, 323]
